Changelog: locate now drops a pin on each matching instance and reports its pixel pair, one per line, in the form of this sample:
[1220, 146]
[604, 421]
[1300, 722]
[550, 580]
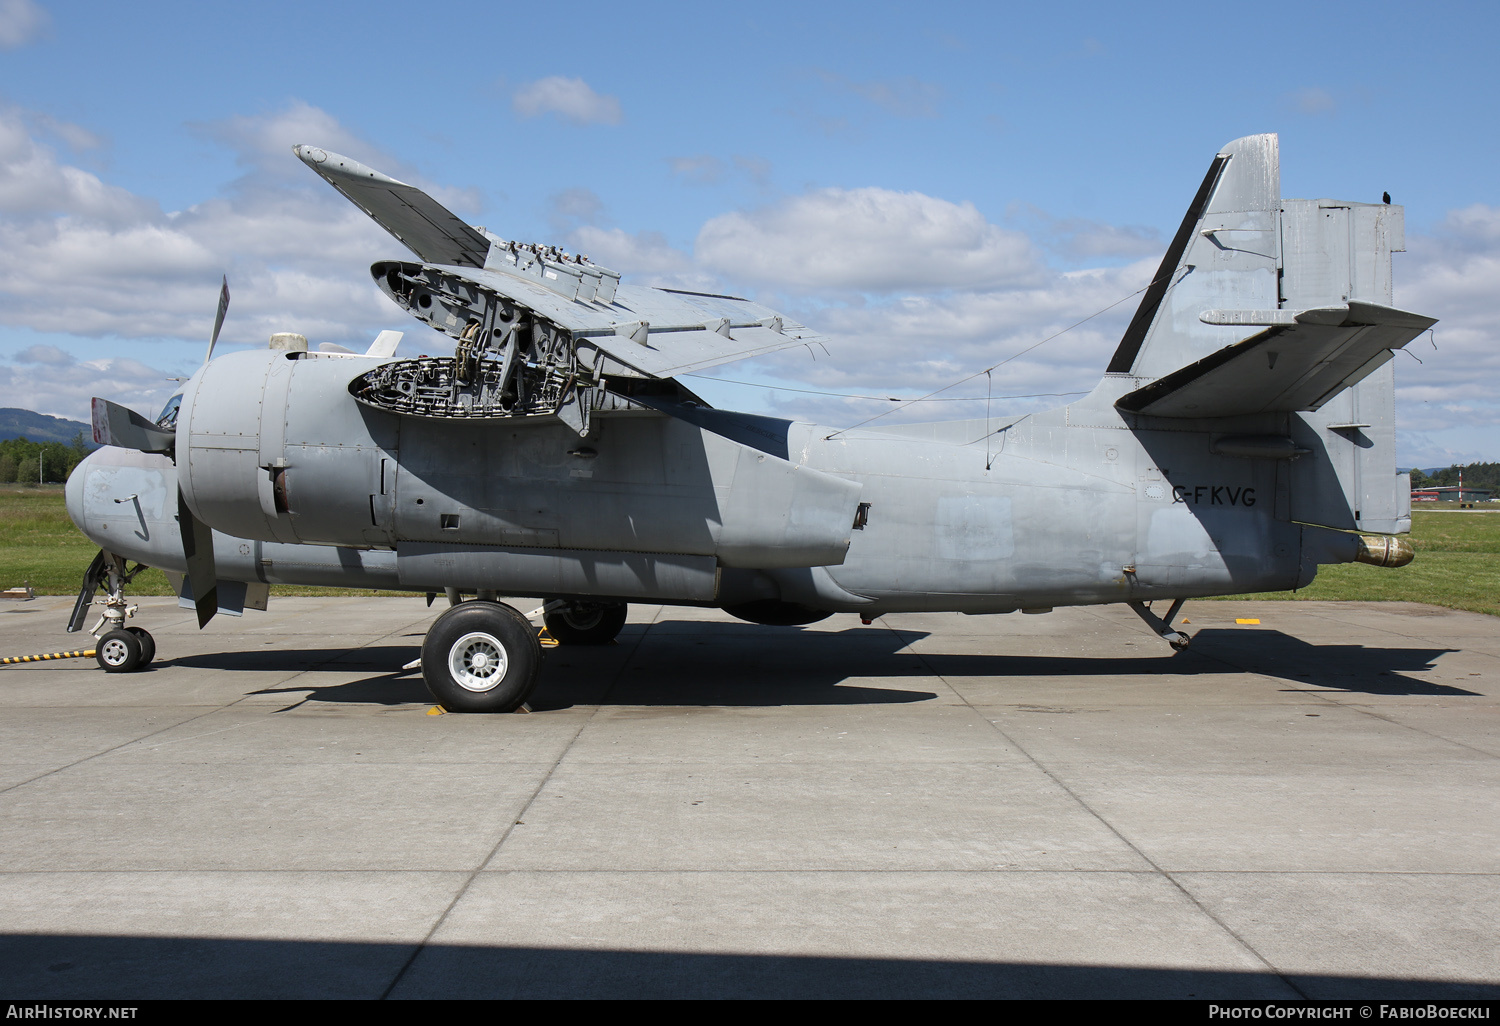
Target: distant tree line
[1476, 475]
[26, 462]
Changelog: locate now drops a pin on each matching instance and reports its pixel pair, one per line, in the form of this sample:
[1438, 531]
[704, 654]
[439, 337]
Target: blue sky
[934, 185]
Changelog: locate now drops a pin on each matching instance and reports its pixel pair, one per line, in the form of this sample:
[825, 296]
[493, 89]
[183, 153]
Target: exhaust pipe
[1384, 550]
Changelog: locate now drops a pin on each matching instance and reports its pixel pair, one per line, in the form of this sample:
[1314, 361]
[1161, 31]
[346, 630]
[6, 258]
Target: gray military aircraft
[1241, 436]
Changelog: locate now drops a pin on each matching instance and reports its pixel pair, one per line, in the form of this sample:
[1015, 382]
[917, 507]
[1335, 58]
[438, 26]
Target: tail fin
[1281, 309]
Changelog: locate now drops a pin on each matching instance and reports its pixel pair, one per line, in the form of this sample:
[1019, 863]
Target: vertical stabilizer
[1224, 257]
[1281, 308]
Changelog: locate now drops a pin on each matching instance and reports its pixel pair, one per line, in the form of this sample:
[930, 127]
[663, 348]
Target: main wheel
[481, 657]
[148, 645]
[118, 652]
[586, 623]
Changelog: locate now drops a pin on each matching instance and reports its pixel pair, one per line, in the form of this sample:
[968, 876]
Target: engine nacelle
[270, 447]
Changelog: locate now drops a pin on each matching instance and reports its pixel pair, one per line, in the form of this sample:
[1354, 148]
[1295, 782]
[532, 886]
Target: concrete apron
[933, 805]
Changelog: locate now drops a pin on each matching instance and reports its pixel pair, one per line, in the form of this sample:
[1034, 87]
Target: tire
[586, 623]
[118, 652]
[148, 645]
[481, 657]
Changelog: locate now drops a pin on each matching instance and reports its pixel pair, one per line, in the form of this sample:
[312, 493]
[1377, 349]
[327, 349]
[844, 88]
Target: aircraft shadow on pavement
[81, 967]
[1354, 668]
[710, 663]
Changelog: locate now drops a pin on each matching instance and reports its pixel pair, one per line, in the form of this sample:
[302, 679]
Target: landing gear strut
[1163, 626]
[120, 649]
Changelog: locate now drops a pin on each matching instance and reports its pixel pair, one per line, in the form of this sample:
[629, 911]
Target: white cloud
[915, 344]
[866, 239]
[915, 291]
[1473, 227]
[573, 207]
[647, 258]
[569, 98]
[83, 257]
[21, 21]
[76, 137]
[1082, 239]
[53, 382]
[44, 354]
[32, 182]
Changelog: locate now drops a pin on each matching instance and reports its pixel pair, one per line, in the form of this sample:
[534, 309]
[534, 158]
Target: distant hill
[38, 427]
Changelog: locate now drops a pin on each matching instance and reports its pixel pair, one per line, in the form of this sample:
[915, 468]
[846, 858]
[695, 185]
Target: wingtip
[335, 165]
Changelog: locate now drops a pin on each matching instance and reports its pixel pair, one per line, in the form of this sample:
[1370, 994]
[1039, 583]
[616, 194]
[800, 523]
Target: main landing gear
[481, 656]
[484, 656]
[120, 649]
[584, 623]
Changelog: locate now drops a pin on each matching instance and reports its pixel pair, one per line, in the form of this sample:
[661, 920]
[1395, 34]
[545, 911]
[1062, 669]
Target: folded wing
[650, 332]
[423, 225]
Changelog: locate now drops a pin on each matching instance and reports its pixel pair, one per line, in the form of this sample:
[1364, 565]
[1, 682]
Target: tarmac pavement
[932, 805]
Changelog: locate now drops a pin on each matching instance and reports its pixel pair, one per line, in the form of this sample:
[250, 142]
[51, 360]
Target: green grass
[40, 545]
[1457, 564]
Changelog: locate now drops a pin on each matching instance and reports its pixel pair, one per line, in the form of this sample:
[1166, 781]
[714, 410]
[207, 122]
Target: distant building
[1450, 493]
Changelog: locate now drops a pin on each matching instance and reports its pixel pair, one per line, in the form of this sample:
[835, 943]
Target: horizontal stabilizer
[117, 425]
[1286, 368]
[423, 225]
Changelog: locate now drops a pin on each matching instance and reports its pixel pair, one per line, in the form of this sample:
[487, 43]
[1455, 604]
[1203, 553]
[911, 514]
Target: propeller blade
[198, 547]
[218, 320]
[116, 425]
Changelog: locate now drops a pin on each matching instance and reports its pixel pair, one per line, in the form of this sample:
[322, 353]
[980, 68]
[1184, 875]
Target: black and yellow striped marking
[82, 653]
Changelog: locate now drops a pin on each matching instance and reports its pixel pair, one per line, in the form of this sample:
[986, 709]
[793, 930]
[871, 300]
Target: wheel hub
[477, 662]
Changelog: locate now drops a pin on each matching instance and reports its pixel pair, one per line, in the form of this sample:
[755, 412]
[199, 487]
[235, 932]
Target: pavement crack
[509, 827]
[1119, 835]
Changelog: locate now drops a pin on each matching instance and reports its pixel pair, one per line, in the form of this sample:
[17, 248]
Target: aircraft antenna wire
[878, 398]
[1002, 363]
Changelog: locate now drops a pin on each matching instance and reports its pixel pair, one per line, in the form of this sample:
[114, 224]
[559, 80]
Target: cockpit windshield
[168, 418]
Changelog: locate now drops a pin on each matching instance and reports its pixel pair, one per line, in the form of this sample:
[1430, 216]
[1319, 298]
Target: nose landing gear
[120, 649]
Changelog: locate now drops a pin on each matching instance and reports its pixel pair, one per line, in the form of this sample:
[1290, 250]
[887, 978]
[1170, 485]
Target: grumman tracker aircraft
[1242, 435]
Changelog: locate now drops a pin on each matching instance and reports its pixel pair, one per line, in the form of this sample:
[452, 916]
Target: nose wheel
[120, 649]
[125, 650]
